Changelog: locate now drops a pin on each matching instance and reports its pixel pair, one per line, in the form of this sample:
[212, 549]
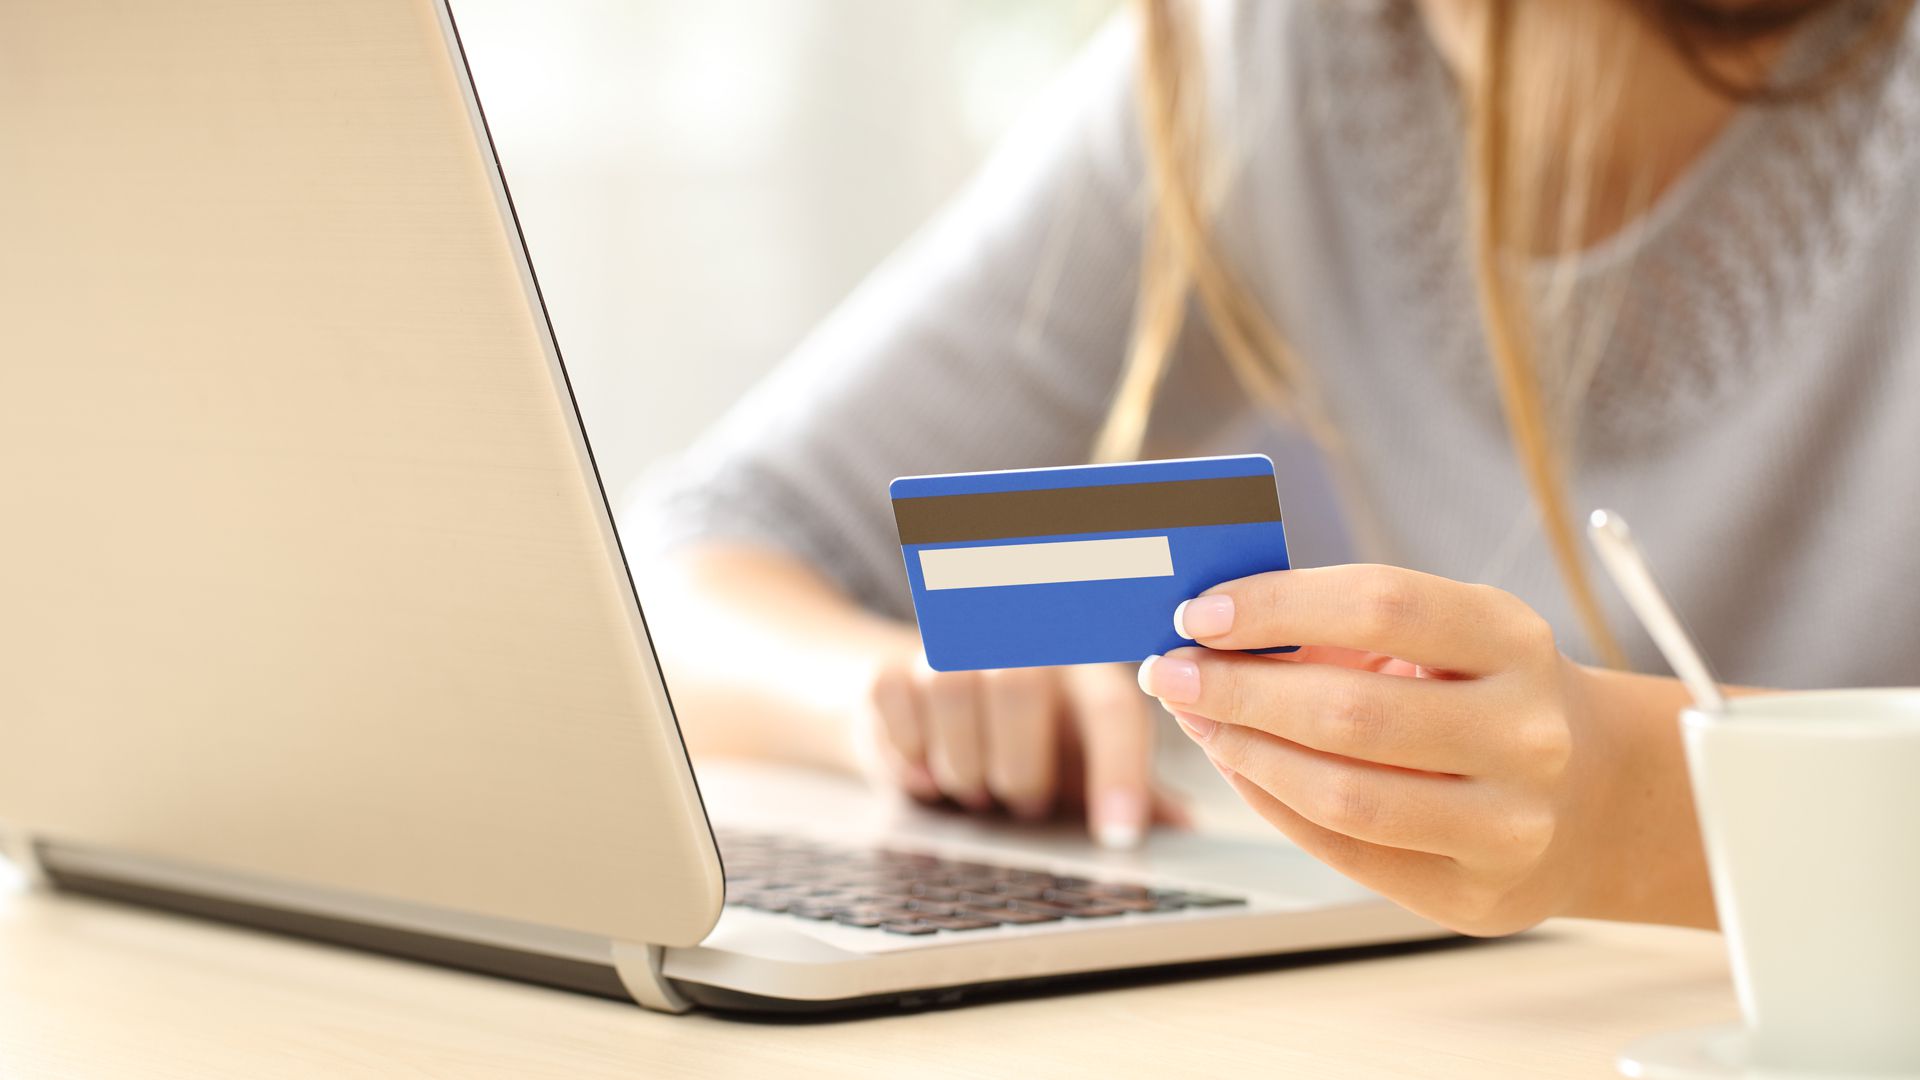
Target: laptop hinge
[19, 848]
[639, 968]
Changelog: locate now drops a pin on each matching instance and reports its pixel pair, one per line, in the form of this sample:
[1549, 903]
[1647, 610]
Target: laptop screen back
[305, 571]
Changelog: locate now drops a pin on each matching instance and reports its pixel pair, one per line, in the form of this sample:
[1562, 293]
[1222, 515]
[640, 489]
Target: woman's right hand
[1033, 741]
[829, 684]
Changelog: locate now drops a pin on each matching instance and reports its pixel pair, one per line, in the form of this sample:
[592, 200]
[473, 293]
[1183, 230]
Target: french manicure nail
[1203, 616]
[1145, 675]
[919, 782]
[1120, 819]
[1170, 678]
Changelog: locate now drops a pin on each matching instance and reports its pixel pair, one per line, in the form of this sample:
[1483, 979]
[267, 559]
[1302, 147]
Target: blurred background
[701, 182]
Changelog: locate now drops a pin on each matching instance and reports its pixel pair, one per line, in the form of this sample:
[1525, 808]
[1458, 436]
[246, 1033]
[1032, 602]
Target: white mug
[1810, 807]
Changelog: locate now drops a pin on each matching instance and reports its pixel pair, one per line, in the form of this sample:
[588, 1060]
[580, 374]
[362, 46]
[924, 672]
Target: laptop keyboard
[903, 892]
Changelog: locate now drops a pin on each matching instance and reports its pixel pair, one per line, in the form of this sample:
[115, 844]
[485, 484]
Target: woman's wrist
[767, 659]
[1644, 861]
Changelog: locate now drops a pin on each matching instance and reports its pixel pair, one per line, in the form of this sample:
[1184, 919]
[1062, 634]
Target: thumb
[1116, 742]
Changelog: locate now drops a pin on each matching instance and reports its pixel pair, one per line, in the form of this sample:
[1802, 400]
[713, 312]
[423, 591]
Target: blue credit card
[1079, 565]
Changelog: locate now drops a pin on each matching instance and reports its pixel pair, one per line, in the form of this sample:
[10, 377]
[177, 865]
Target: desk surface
[90, 989]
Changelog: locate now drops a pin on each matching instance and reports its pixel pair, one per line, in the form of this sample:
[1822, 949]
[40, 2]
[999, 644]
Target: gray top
[1751, 401]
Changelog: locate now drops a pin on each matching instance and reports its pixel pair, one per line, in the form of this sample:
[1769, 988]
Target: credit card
[1078, 565]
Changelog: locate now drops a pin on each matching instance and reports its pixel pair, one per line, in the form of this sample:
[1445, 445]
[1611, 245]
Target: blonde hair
[1509, 111]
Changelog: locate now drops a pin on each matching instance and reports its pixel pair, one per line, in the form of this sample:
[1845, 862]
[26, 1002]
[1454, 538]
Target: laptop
[313, 614]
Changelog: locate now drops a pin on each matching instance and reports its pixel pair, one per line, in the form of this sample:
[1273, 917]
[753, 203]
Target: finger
[1357, 659]
[1429, 620]
[1170, 809]
[898, 741]
[1019, 710]
[1438, 726]
[1391, 872]
[950, 703]
[1116, 740]
[1395, 808]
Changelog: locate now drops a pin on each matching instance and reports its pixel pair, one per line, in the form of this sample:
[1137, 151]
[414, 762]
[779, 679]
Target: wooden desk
[90, 989]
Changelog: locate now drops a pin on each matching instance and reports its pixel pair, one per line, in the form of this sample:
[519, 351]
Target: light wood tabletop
[93, 989]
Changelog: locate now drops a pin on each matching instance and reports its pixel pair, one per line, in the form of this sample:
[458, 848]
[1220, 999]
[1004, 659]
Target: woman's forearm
[1648, 864]
[763, 655]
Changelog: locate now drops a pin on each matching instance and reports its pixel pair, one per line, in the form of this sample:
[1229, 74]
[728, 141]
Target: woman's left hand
[1429, 740]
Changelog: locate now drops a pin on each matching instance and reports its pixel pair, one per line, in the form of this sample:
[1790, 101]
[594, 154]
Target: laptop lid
[306, 573]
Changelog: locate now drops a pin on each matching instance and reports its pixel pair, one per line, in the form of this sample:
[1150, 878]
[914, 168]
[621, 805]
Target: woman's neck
[1620, 114]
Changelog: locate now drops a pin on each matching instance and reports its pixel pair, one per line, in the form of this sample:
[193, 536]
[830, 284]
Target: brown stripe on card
[1164, 504]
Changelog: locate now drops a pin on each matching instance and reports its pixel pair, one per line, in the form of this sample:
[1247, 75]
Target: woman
[1500, 260]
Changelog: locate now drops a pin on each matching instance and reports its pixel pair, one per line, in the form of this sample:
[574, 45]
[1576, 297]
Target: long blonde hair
[1509, 113]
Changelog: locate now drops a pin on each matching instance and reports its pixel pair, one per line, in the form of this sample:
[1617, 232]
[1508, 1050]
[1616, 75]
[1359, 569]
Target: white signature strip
[1041, 564]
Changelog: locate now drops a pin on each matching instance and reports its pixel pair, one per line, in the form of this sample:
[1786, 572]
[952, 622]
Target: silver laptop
[312, 613]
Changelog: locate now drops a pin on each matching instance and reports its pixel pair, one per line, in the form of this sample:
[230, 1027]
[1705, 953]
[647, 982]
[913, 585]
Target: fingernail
[1170, 678]
[1203, 616]
[1224, 771]
[919, 782]
[1120, 819]
[1198, 727]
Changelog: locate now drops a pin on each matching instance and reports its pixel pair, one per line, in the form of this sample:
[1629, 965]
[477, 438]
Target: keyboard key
[957, 922]
[1095, 911]
[1007, 915]
[913, 929]
[1085, 900]
[1041, 907]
